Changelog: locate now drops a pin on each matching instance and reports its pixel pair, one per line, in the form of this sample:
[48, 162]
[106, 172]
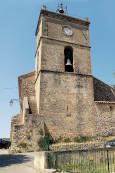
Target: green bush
[58, 140]
[81, 139]
[43, 143]
[67, 140]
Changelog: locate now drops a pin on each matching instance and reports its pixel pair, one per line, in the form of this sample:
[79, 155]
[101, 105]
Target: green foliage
[54, 141]
[67, 140]
[57, 140]
[81, 139]
[87, 167]
[81, 165]
[23, 145]
[43, 143]
[51, 141]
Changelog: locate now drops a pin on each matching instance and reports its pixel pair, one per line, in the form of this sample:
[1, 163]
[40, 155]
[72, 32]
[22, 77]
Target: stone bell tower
[61, 98]
[64, 84]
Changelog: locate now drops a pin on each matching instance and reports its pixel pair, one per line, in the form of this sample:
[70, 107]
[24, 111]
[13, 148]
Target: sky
[18, 21]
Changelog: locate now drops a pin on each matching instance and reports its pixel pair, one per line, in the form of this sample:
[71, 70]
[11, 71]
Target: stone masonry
[56, 102]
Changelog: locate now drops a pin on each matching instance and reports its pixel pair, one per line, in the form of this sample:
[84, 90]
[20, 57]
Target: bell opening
[68, 60]
[68, 68]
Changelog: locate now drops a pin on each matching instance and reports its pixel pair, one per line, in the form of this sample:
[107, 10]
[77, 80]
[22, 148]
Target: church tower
[61, 98]
[64, 84]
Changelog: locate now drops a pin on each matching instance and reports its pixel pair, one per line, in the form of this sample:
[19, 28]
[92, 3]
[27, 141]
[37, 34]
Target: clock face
[67, 31]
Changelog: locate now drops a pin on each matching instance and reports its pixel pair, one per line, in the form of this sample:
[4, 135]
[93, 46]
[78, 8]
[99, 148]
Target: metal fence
[90, 161]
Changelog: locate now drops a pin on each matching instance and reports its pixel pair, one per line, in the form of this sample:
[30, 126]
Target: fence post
[108, 161]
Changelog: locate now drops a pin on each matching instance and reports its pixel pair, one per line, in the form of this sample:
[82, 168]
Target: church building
[62, 98]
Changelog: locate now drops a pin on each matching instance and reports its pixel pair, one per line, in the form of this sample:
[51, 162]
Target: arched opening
[68, 52]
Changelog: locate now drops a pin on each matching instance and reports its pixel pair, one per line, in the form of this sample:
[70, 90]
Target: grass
[82, 139]
[88, 166]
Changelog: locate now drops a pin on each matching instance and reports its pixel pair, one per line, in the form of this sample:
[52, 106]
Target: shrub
[43, 143]
[67, 140]
[81, 139]
[57, 140]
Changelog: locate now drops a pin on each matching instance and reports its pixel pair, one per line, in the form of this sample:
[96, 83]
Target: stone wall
[55, 30]
[15, 120]
[105, 119]
[82, 146]
[53, 57]
[67, 100]
[25, 137]
[104, 97]
[26, 84]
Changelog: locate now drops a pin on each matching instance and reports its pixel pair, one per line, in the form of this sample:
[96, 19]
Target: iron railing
[85, 161]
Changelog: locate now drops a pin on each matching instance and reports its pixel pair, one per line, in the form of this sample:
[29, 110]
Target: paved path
[16, 163]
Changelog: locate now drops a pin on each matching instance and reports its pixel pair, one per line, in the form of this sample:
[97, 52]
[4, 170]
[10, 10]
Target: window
[68, 52]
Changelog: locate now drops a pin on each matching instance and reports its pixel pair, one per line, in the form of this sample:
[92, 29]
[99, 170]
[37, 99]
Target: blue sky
[18, 20]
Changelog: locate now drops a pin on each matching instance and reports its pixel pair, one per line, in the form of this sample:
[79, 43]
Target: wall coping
[104, 102]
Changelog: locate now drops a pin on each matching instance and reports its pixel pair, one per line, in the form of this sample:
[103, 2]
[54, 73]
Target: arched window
[68, 52]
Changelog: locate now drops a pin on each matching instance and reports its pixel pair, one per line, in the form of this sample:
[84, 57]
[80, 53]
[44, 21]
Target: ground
[16, 163]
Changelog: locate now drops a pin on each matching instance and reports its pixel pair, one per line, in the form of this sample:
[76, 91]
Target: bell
[68, 62]
[61, 10]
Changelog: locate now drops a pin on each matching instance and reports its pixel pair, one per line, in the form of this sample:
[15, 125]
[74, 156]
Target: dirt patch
[3, 151]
